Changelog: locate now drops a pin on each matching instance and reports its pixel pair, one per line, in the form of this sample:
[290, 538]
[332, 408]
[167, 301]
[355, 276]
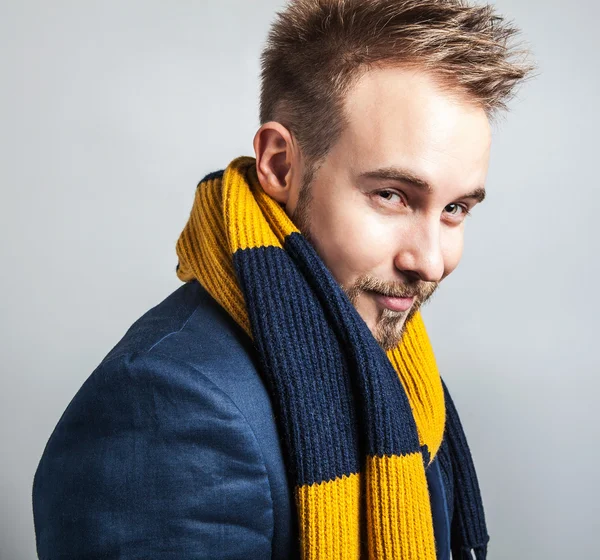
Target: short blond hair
[317, 49]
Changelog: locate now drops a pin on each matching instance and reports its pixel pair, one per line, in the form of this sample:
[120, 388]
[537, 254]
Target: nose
[419, 252]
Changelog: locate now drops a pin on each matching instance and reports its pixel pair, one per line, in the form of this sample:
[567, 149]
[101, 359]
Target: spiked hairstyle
[317, 49]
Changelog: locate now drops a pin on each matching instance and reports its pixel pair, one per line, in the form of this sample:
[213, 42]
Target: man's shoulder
[188, 326]
[188, 340]
[162, 433]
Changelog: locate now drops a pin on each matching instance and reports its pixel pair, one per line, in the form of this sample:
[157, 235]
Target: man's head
[375, 138]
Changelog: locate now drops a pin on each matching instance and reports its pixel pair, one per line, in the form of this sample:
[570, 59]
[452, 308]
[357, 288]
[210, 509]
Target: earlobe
[273, 149]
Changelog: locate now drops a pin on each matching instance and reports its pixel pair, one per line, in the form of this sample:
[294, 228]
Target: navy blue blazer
[170, 450]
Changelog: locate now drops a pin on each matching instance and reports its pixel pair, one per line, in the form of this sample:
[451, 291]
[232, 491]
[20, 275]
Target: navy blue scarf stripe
[320, 424]
[389, 423]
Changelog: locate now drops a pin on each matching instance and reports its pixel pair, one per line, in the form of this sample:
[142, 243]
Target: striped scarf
[359, 426]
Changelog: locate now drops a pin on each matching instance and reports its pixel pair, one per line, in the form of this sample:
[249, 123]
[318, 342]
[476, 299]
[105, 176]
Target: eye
[457, 210]
[389, 195]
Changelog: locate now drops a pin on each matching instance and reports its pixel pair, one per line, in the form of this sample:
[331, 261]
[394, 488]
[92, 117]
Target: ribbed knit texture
[358, 426]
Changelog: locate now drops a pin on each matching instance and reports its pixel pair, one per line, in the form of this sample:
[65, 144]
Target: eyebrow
[407, 176]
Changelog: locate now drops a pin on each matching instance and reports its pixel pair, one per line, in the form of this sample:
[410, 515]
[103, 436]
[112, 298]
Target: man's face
[386, 209]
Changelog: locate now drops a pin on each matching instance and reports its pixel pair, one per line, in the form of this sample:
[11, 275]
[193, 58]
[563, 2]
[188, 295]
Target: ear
[276, 160]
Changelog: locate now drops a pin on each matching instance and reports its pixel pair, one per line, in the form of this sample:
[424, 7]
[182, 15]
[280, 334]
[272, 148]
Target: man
[285, 400]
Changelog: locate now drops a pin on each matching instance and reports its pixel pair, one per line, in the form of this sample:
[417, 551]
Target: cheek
[347, 239]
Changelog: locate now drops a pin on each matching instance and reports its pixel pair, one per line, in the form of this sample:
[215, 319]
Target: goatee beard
[391, 325]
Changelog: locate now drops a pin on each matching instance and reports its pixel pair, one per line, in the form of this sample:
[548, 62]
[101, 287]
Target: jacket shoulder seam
[174, 332]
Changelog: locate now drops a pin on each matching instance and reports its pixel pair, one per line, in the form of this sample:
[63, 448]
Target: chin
[390, 329]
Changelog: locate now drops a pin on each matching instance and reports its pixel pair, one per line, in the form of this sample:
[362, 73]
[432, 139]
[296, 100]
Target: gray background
[112, 111]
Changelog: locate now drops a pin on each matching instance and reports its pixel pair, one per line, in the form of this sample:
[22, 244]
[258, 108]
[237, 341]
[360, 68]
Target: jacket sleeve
[151, 460]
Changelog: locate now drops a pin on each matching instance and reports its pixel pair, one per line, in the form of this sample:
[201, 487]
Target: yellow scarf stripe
[204, 256]
[329, 518]
[398, 513]
[253, 218]
[419, 375]
[398, 509]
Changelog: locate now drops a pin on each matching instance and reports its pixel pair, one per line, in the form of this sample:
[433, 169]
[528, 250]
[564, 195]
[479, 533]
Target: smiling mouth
[394, 303]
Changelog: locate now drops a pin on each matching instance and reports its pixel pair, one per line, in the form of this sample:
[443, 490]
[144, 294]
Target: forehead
[401, 117]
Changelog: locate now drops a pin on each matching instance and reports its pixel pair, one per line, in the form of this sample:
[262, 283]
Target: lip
[395, 303]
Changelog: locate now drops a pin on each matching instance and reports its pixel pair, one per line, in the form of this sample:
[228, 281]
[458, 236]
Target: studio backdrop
[112, 111]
